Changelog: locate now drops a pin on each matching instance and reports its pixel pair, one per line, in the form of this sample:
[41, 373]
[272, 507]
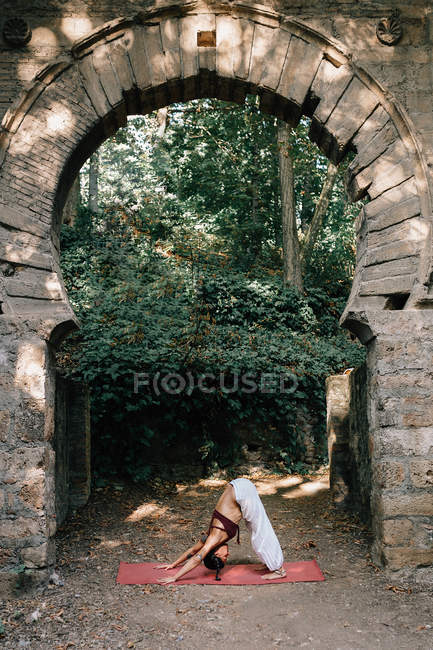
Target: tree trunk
[255, 244]
[307, 204]
[292, 272]
[319, 213]
[72, 203]
[93, 183]
[162, 119]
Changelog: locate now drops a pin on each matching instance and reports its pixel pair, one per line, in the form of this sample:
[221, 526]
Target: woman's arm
[193, 562]
[191, 551]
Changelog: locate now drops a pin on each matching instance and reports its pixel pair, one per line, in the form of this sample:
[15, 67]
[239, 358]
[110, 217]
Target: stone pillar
[61, 447]
[400, 367]
[359, 442]
[72, 445]
[27, 510]
[79, 444]
[380, 435]
[337, 426]
[349, 440]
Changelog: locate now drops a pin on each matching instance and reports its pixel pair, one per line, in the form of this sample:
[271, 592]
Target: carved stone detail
[16, 32]
[389, 30]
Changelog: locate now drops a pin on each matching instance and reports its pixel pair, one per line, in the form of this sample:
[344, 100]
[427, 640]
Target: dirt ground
[356, 607]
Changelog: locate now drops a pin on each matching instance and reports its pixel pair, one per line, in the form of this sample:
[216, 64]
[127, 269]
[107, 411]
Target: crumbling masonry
[72, 70]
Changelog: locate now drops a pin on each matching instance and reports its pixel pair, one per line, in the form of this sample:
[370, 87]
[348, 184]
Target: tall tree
[209, 171]
[93, 202]
[292, 270]
[162, 119]
[319, 213]
[296, 251]
[72, 203]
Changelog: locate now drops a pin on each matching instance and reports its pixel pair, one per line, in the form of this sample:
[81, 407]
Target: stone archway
[136, 65]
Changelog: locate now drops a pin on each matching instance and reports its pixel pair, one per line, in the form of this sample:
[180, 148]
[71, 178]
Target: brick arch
[135, 65]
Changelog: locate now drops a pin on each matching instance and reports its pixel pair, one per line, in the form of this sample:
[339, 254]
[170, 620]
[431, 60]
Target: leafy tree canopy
[180, 272]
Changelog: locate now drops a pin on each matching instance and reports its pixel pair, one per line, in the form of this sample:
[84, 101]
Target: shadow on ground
[356, 607]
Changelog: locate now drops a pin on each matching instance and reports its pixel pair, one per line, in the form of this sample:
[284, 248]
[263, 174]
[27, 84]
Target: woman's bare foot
[260, 567]
[274, 575]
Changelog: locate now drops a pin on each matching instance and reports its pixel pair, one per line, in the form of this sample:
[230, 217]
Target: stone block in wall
[30, 421]
[6, 554]
[421, 474]
[31, 368]
[4, 425]
[397, 532]
[415, 504]
[417, 412]
[32, 494]
[388, 474]
[406, 442]
[36, 557]
[20, 527]
[308, 450]
[398, 557]
[15, 465]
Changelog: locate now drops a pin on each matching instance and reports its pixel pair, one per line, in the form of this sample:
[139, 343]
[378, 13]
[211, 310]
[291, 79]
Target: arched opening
[136, 65]
[207, 199]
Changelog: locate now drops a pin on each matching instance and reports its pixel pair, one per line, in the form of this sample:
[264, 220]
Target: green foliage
[180, 273]
[144, 313]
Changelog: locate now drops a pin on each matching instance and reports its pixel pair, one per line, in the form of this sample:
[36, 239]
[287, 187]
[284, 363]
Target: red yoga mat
[233, 574]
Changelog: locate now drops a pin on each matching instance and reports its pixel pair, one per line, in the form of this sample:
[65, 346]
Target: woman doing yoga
[239, 500]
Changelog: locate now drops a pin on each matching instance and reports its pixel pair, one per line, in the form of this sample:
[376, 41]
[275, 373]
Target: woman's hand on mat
[165, 566]
[167, 581]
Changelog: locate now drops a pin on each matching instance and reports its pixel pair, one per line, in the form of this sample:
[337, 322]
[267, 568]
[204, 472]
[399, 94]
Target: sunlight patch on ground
[271, 486]
[307, 489]
[196, 489]
[189, 491]
[297, 486]
[212, 482]
[113, 543]
[147, 510]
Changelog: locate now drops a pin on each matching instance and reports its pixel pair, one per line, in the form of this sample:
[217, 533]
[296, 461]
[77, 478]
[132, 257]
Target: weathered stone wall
[71, 445]
[348, 441]
[359, 449]
[27, 459]
[361, 95]
[401, 439]
[380, 432]
[78, 397]
[338, 431]
[404, 69]
[61, 449]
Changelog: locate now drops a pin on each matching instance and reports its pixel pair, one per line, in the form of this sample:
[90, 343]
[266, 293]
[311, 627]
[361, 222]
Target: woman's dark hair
[214, 563]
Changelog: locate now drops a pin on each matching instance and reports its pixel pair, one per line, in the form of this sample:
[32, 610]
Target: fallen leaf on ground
[398, 590]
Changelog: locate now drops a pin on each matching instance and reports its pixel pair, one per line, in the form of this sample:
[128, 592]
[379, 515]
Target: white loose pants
[263, 538]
